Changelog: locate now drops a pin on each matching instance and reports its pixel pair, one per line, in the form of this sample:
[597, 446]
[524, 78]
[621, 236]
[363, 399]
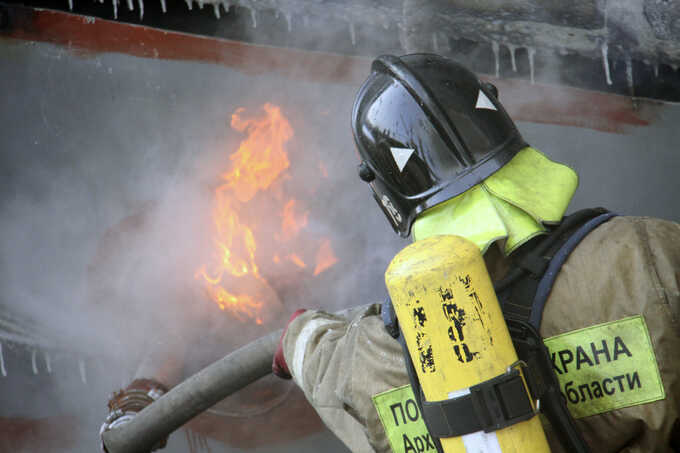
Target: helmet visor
[480, 123]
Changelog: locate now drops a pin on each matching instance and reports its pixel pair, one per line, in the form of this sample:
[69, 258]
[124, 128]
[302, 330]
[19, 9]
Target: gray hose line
[191, 397]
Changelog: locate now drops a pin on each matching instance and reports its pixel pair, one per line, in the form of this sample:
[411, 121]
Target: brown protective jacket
[628, 266]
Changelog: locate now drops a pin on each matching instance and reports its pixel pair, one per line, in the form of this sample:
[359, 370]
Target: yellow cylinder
[455, 333]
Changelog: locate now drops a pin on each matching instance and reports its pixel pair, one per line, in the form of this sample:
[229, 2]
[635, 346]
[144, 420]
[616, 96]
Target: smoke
[105, 216]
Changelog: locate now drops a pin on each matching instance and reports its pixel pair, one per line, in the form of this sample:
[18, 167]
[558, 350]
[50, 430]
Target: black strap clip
[504, 400]
[489, 406]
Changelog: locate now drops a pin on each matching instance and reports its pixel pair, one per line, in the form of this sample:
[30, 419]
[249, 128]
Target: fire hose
[191, 397]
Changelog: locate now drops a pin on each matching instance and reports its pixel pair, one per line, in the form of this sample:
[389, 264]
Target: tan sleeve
[628, 266]
[340, 362]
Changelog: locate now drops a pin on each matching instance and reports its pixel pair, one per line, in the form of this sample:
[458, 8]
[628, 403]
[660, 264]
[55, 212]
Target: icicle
[253, 16]
[190, 440]
[289, 21]
[189, 4]
[305, 21]
[605, 63]
[130, 5]
[48, 362]
[34, 365]
[629, 76]
[163, 6]
[277, 13]
[512, 50]
[216, 9]
[2, 362]
[70, 5]
[531, 51]
[352, 34]
[141, 8]
[204, 443]
[200, 4]
[115, 9]
[496, 55]
[81, 367]
[226, 7]
[435, 42]
[656, 69]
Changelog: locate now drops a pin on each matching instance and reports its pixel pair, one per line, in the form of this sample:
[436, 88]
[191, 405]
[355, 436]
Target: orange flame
[262, 156]
[292, 221]
[257, 163]
[323, 170]
[260, 160]
[297, 260]
[325, 257]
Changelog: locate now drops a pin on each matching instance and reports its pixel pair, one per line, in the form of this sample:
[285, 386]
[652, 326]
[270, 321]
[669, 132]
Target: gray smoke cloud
[109, 167]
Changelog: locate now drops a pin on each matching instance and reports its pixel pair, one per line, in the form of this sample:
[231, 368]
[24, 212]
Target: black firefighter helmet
[427, 130]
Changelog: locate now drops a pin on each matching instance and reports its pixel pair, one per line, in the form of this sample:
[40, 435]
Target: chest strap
[488, 406]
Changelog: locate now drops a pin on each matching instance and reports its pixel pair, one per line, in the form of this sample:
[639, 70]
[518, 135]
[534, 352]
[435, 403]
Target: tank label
[606, 367]
[400, 417]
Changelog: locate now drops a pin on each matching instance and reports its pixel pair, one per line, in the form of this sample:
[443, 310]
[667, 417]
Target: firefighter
[442, 157]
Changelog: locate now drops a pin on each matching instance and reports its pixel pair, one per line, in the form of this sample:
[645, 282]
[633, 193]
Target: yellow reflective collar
[512, 204]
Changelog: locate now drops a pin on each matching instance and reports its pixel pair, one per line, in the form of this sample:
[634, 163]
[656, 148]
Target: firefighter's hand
[125, 404]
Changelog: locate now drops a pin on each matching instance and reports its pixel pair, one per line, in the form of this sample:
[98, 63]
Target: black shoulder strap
[525, 290]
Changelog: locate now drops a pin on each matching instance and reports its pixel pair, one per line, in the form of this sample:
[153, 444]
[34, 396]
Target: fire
[260, 159]
[297, 260]
[258, 162]
[262, 156]
[293, 220]
[323, 170]
[325, 257]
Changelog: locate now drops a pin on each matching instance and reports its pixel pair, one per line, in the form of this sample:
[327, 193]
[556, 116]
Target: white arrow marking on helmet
[401, 156]
[484, 102]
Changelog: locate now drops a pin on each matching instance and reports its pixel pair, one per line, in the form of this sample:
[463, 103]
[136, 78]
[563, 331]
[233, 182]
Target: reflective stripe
[301, 346]
[478, 442]
[481, 442]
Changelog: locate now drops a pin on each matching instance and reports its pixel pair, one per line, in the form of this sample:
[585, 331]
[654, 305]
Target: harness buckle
[504, 400]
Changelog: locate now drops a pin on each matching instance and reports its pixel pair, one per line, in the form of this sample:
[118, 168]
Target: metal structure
[629, 47]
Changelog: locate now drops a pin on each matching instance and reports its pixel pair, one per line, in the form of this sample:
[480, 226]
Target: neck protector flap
[513, 204]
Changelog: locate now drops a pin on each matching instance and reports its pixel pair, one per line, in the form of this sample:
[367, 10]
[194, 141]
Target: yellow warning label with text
[402, 421]
[606, 367]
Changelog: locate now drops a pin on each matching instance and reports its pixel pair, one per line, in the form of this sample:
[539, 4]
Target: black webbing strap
[410, 370]
[517, 292]
[489, 406]
[543, 384]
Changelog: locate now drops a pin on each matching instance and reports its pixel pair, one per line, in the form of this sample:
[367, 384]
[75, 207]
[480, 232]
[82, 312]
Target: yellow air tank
[455, 333]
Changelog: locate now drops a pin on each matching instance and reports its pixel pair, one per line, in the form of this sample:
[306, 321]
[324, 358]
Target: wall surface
[629, 47]
[108, 164]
